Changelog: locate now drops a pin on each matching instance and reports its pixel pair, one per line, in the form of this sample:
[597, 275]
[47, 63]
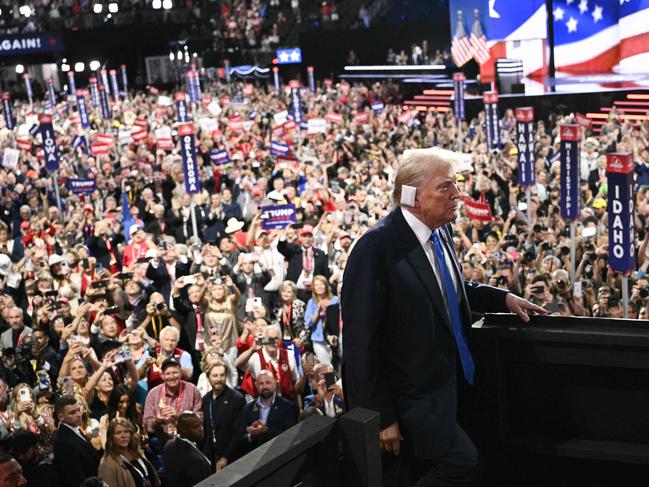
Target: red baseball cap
[307, 230]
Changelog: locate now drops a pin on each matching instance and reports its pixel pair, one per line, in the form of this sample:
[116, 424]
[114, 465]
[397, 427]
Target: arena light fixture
[97, 8]
[65, 67]
[172, 56]
[20, 69]
[113, 8]
[79, 67]
[156, 4]
[167, 4]
[25, 10]
[94, 65]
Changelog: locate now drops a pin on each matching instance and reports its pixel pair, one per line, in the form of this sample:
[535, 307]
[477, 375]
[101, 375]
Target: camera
[111, 310]
[546, 246]
[565, 250]
[267, 341]
[502, 281]
[160, 306]
[588, 271]
[123, 276]
[99, 284]
[330, 380]
[561, 284]
[644, 292]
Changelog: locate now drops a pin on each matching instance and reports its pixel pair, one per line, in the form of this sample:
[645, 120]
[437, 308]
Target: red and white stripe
[461, 51]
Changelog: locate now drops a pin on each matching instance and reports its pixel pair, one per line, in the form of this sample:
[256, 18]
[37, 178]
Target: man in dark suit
[304, 261]
[185, 463]
[267, 416]
[74, 457]
[222, 408]
[406, 318]
[166, 269]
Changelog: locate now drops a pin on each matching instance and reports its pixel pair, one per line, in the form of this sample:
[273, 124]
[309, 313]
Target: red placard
[186, 129]
[458, 77]
[490, 96]
[477, 210]
[620, 162]
[180, 96]
[524, 114]
[570, 131]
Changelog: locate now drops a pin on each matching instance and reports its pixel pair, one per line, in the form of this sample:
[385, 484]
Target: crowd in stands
[137, 348]
[418, 55]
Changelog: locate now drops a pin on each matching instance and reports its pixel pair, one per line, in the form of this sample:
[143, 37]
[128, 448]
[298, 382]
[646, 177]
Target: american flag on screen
[586, 35]
[461, 50]
[634, 35]
[479, 45]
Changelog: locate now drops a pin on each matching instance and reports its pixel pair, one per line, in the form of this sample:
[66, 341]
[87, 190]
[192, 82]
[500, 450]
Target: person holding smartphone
[27, 415]
[329, 398]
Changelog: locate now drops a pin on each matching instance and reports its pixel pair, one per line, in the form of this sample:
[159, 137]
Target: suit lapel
[420, 263]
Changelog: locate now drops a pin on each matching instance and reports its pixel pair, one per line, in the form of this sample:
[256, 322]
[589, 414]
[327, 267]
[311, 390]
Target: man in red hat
[304, 261]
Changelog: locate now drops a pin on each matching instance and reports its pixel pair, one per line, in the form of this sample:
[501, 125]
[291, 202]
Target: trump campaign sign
[621, 230]
[181, 107]
[83, 109]
[570, 135]
[82, 185]
[277, 216]
[188, 152]
[50, 150]
[525, 145]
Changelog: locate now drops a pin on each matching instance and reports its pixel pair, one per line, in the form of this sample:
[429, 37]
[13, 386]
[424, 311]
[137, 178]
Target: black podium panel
[562, 387]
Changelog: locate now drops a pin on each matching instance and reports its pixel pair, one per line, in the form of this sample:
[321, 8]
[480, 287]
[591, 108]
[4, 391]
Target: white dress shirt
[423, 233]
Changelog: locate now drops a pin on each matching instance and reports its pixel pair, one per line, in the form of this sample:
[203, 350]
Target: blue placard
[50, 149]
[525, 145]
[295, 110]
[103, 99]
[124, 80]
[188, 152]
[72, 85]
[291, 55]
[620, 172]
[181, 111]
[8, 110]
[113, 83]
[82, 185]
[94, 92]
[492, 126]
[458, 97]
[569, 180]
[30, 44]
[277, 216]
[83, 110]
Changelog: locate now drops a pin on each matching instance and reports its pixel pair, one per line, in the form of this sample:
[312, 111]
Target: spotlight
[113, 8]
[167, 4]
[25, 10]
[20, 69]
[156, 4]
[172, 57]
[65, 68]
[97, 8]
[94, 65]
[79, 67]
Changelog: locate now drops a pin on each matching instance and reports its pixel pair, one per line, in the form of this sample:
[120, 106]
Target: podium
[561, 388]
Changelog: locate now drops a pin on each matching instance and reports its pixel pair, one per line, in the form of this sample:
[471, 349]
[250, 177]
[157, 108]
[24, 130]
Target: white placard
[10, 158]
[280, 117]
[214, 108]
[163, 133]
[165, 101]
[316, 126]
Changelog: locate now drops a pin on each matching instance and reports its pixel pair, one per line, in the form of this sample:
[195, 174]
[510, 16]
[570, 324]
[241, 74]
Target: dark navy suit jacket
[398, 345]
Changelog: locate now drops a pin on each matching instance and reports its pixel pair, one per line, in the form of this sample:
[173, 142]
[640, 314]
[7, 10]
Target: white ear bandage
[408, 194]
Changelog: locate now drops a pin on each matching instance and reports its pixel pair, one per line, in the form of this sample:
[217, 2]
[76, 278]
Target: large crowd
[127, 326]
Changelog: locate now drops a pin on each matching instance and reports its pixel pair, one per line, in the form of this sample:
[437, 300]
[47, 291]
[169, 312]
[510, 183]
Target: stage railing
[319, 451]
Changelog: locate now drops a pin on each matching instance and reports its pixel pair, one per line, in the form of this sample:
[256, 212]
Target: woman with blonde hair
[27, 415]
[315, 318]
[221, 314]
[124, 463]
